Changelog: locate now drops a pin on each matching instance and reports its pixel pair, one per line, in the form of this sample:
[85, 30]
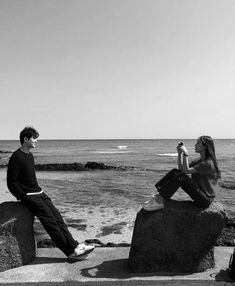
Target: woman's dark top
[205, 176]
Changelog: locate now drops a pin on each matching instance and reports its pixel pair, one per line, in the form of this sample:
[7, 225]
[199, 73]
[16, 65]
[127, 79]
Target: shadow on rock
[223, 275]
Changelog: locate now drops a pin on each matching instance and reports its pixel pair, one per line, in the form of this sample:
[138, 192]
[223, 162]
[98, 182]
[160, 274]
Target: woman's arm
[185, 166]
[180, 162]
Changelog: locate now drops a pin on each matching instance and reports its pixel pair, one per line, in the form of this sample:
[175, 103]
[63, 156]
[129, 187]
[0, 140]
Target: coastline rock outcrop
[17, 243]
[178, 238]
[60, 167]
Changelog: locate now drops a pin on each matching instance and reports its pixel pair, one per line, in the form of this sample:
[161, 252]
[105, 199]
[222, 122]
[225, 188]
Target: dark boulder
[178, 238]
[17, 244]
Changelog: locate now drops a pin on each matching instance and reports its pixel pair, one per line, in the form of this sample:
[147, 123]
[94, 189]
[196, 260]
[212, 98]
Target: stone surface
[17, 244]
[178, 238]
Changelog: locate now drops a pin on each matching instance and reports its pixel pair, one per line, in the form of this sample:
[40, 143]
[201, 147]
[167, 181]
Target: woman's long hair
[210, 151]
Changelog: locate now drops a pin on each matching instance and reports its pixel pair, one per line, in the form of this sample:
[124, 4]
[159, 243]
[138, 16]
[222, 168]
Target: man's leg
[60, 222]
[41, 210]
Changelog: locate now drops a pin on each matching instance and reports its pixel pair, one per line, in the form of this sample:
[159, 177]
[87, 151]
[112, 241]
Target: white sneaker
[155, 203]
[81, 250]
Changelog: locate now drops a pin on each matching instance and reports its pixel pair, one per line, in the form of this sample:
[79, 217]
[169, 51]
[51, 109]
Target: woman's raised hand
[180, 144]
[182, 149]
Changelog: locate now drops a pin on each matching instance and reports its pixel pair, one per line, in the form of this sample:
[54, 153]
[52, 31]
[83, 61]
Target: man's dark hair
[28, 132]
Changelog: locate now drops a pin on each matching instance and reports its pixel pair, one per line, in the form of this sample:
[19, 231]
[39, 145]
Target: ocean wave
[156, 170]
[227, 185]
[3, 166]
[109, 152]
[168, 154]
[5, 152]
[121, 147]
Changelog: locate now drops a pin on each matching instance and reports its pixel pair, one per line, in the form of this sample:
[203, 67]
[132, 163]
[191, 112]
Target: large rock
[17, 244]
[178, 238]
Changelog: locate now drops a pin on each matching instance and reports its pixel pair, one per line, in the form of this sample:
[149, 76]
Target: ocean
[103, 203]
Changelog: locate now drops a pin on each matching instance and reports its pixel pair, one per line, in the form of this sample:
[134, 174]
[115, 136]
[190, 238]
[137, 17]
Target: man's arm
[12, 179]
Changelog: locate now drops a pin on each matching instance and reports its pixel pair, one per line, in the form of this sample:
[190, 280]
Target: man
[22, 183]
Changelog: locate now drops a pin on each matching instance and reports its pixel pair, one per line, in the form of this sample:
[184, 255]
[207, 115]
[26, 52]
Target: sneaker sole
[79, 258]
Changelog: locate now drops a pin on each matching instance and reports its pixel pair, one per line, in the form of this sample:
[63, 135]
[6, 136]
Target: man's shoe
[81, 250]
[155, 203]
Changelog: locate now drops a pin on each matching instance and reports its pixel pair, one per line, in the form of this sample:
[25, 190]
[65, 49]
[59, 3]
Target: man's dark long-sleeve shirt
[21, 176]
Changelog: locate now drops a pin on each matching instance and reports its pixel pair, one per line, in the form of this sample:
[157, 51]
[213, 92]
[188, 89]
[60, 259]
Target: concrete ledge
[108, 266]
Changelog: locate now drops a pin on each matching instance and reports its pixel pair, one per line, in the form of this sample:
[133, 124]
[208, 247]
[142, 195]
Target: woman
[202, 184]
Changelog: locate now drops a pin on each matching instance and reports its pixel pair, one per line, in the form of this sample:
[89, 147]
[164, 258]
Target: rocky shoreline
[78, 166]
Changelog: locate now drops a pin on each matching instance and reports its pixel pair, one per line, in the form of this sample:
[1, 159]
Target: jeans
[170, 183]
[42, 207]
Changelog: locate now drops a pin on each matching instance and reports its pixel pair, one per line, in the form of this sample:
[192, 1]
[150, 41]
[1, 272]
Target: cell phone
[181, 143]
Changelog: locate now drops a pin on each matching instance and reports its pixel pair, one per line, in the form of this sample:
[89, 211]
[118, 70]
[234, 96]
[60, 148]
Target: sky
[117, 69]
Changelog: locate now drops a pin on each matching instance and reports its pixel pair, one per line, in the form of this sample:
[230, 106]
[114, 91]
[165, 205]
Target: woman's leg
[169, 184]
[175, 179]
[166, 187]
[167, 178]
[192, 189]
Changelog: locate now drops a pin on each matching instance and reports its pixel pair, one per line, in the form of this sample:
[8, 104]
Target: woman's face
[199, 146]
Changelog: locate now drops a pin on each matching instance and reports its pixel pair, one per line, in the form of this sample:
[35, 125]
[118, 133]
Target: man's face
[31, 142]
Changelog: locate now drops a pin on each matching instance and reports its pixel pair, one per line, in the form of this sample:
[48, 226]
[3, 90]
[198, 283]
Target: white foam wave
[121, 147]
[168, 154]
[107, 152]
